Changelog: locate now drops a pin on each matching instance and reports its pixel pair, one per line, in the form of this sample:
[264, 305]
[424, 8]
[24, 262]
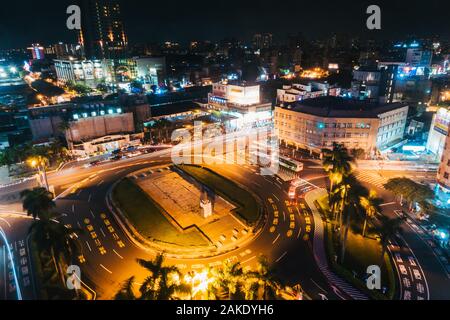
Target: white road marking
[275, 197]
[103, 233]
[282, 256]
[89, 247]
[89, 198]
[73, 208]
[100, 183]
[107, 270]
[299, 232]
[117, 254]
[248, 260]
[92, 214]
[276, 239]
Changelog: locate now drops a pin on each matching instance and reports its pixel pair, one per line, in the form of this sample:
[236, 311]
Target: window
[448, 163]
[446, 175]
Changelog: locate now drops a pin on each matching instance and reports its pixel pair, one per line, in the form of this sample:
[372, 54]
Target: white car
[417, 274]
[420, 288]
[403, 270]
[412, 261]
[406, 282]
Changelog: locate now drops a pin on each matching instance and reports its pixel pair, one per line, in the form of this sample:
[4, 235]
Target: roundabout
[176, 210]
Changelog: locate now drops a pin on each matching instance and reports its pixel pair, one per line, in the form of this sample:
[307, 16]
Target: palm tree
[337, 163]
[371, 206]
[37, 202]
[55, 239]
[387, 230]
[229, 278]
[262, 281]
[163, 282]
[126, 291]
[352, 191]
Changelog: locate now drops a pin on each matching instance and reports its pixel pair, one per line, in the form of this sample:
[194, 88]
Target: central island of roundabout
[186, 211]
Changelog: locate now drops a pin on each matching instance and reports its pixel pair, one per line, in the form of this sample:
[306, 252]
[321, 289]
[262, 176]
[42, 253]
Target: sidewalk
[320, 254]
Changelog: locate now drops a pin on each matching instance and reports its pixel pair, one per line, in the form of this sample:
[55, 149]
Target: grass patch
[247, 206]
[148, 218]
[360, 253]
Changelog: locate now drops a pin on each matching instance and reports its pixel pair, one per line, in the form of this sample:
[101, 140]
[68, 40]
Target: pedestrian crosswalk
[372, 178]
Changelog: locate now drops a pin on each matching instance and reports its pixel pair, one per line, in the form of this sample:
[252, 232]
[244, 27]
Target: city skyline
[184, 22]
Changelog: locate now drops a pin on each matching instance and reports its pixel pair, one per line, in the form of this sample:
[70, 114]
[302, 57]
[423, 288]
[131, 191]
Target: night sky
[24, 22]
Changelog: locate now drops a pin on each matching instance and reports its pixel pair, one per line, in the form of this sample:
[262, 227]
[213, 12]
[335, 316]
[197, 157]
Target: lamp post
[39, 163]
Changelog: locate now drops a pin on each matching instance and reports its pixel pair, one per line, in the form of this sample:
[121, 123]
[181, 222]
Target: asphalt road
[109, 256]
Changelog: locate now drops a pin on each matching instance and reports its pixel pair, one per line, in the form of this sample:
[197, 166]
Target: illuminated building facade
[37, 51]
[102, 32]
[439, 132]
[88, 71]
[443, 177]
[314, 124]
[242, 101]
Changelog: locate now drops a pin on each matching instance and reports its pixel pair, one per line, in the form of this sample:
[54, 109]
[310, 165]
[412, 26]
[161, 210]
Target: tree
[229, 278]
[352, 191]
[371, 206]
[358, 153]
[411, 191]
[37, 202]
[262, 283]
[387, 230]
[126, 291]
[163, 282]
[337, 163]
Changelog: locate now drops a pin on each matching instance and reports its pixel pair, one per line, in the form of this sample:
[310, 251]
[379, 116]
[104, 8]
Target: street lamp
[39, 162]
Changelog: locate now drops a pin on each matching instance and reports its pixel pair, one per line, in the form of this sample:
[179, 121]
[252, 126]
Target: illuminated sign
[442, 121]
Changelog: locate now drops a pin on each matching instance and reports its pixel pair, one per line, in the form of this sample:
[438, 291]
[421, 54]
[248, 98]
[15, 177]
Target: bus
[290, 164]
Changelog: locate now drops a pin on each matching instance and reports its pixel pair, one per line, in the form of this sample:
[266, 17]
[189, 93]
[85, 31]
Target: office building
[317, 123]
[102, 32]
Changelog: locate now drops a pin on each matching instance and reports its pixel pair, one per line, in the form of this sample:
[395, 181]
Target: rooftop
[335, 107]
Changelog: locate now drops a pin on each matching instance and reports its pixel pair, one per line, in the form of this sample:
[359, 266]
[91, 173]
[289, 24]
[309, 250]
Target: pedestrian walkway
[319, 249]
[372, 178]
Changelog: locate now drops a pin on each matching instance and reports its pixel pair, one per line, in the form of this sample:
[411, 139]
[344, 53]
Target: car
[398, 258]
[407, 295]
[417, 274]
[275, 222]
[292, 217]
[406, 282]
[420, 288]
[94, 163]
[412, 261]
[403, 269]
[292, 225]
[308, 220]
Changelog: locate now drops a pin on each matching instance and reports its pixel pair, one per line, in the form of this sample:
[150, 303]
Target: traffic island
[360, 253]
[168, 210]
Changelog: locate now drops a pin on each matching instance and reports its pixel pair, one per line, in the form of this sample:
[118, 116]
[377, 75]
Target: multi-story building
[37, 51]
[443, 177]
[242, 101]
[438, 132]
[88, 71]
[102, 32]
[151, 70]
[315, 124]
[262, 41]
[375, 83]
[299, 92]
